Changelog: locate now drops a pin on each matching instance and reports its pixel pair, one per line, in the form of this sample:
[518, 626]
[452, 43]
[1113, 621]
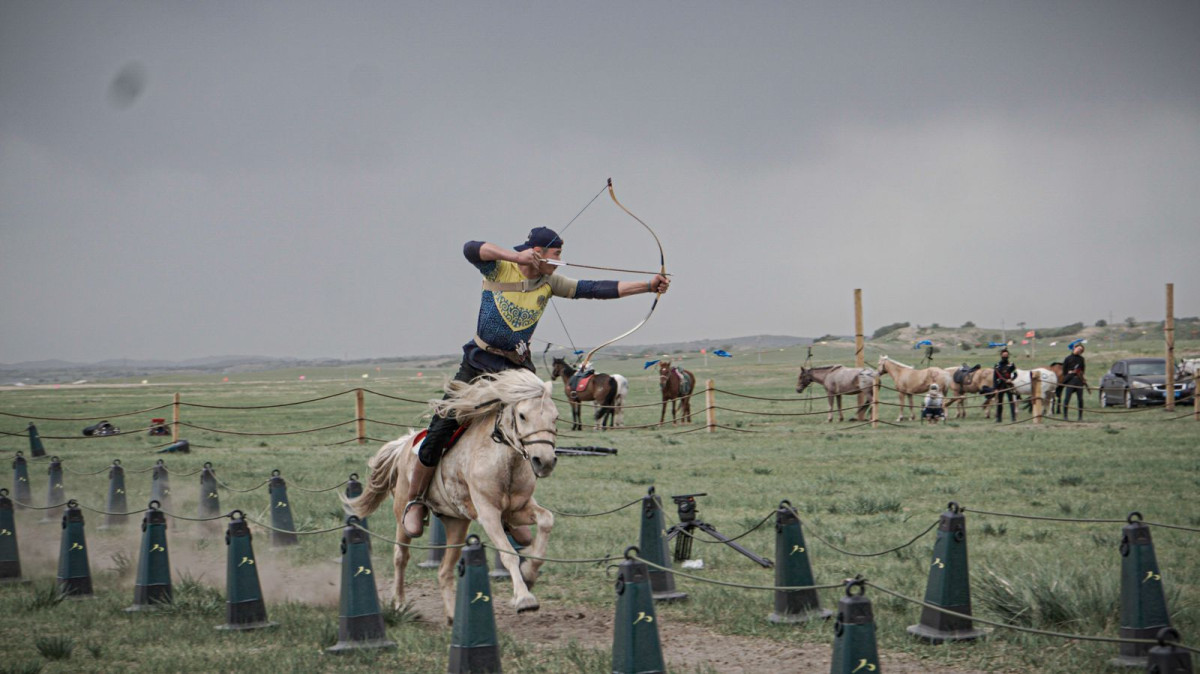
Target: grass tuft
[988, 529]
[1070, 480]
[43, 597]
[55, 647]
[1047, 597]
[122, 564]
[394, 617]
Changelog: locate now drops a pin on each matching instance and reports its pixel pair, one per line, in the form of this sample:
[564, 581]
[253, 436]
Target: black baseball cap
[540, 237]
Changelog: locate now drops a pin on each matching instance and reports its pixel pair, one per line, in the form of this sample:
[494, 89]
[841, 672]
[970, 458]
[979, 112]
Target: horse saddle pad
[580, 384]
[686, 382]
[420, 439]
[962, 374]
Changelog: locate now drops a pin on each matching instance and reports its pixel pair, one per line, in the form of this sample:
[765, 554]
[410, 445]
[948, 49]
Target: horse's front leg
[456, 533]
[533, 513]
[829, 413]
[400, 561]
[489, 517]
[576, 417]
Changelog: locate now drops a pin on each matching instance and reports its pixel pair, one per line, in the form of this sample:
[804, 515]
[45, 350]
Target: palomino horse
[839, 381]
[974, 383]
[676, 384]
[488, 476]
[911, 381]
[600, 388]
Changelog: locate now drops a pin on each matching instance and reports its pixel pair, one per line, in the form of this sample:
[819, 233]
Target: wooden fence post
[175, 420]
[1036, 392]
[709, 401]
[1169, 333]
[360, 414]
[859, 356]
[875, 402]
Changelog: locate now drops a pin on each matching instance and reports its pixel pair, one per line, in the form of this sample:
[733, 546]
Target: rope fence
[964, 401]
[609, 558]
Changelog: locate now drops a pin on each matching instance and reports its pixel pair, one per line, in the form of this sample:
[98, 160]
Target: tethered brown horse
[676, 383]
[600, 388]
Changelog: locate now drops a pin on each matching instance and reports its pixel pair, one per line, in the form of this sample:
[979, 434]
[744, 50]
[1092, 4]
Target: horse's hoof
[528, 574]
[527, 604]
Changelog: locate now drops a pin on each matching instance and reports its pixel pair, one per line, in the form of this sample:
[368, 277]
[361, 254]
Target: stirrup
[424, 520]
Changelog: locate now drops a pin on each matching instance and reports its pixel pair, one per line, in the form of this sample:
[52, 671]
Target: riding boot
[522, 534]
[416, 512]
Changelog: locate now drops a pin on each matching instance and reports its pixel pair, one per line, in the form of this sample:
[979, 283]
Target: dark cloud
[299, 177]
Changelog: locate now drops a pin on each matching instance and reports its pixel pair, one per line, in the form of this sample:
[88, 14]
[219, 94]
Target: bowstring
[552, 304]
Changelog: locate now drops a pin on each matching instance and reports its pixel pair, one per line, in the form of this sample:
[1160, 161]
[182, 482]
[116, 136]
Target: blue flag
[648, 363]
[923, 342]
[722, 353]
[992, 345]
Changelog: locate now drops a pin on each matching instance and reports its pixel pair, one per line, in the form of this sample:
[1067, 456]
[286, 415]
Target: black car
[1141, 381]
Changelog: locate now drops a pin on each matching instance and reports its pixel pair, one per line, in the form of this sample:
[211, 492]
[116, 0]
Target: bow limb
[662, 269]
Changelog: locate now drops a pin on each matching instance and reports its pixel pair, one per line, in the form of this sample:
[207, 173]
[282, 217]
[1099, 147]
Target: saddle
[686, 382]
[580, 383]
[963, 374]
[420, 438]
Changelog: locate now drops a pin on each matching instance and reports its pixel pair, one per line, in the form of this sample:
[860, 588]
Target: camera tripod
[688, 523]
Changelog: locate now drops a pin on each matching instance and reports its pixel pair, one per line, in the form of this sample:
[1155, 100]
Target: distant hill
[965, 338]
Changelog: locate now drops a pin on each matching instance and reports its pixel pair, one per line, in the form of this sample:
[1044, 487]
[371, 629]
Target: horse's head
[534, 432]
[559, 364]
[806, 378]
[519, 406]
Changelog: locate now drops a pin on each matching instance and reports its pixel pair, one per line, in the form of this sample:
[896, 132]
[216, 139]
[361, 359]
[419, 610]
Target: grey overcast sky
[186, 179]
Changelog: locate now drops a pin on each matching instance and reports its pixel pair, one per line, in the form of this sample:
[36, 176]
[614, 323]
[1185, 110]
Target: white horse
[488, 476]
[622, 394]
[1022, 385]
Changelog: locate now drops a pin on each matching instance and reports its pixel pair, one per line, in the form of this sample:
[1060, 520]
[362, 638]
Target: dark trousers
[1074, 387]
[441, 429]
[1004, 388]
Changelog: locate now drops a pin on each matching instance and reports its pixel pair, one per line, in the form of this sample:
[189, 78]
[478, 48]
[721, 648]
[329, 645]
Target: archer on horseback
[517, 286]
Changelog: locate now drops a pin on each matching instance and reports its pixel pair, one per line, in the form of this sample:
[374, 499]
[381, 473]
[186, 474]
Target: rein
[519, 442]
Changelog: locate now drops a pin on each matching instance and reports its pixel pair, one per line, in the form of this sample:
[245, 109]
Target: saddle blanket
[580, 384]
[420, 439]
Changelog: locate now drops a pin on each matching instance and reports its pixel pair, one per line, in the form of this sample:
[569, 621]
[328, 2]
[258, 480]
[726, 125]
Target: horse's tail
[607, 406]
[385, 467]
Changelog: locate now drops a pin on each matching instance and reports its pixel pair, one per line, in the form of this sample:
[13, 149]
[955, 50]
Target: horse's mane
[885, 357]
[477, 399]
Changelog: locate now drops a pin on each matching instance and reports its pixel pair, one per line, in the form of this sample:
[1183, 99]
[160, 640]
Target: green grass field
[860, 489]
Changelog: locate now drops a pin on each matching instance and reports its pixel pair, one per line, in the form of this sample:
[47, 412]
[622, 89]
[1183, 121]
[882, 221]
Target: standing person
[1073, 373]
[1002, 379]
[517, 285]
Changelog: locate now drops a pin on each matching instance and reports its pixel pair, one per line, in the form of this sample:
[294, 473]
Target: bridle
[516, 442]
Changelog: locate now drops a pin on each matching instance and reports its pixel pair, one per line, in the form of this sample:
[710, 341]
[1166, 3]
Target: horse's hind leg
[533, 513]
[840, 416]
